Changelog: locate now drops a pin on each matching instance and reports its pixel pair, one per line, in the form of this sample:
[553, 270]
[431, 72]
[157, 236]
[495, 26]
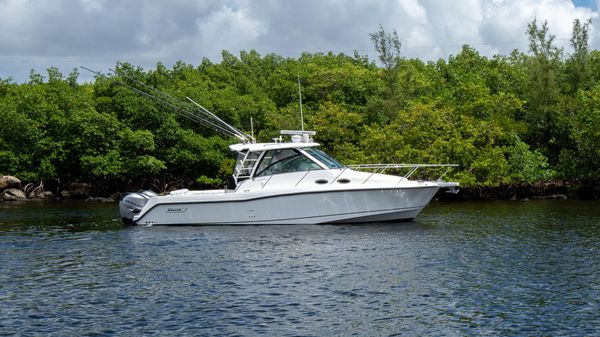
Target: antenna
[300, 96]
[252, 129]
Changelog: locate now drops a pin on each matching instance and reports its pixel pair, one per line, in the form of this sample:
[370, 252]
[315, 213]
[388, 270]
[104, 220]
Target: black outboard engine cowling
[132, 203]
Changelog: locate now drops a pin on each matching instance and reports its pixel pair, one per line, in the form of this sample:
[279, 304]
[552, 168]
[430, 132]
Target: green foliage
[543, 91]
[338, 130]
[527, 166]
[388, 46]
[582, 159]
[208, 182]
[521, 118]
[578, 70]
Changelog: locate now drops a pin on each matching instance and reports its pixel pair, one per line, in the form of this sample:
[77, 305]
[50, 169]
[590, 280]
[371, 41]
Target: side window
[324, 158]
[266, 160]
[283, 161]
[271, 161]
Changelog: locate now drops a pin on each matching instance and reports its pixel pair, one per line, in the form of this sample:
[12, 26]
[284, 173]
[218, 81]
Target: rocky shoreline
[524, 192]
[11, 189]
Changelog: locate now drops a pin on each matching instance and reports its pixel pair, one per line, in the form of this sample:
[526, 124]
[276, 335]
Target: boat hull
[315, 207]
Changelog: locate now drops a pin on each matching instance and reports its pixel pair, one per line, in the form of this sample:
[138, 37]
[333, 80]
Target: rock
[12, 194]
[64, 194]
[9, 182]
[40, 195]
[79, 190]
[36, 193]
[552, 196]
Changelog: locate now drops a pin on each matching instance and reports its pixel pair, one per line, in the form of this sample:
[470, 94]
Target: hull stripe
[277, 221]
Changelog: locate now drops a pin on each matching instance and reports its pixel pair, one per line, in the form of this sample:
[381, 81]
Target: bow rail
[412, 168]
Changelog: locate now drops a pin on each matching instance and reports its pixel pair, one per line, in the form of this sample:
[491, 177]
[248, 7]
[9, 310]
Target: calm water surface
[483, 268]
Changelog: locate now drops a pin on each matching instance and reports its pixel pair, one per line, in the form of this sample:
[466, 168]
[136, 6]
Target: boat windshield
[324, 158]
[284, 161]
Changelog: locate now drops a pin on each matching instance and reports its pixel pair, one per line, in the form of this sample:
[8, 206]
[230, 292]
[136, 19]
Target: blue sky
[586, 3]
[37, 34]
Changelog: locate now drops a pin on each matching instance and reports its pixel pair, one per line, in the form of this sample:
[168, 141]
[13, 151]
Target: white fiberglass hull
[307, 207]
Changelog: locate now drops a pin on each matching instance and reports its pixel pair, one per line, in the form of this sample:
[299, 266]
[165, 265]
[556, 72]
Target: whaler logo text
[176, 210]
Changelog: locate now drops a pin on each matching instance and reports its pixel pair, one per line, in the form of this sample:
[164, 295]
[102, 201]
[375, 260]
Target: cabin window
[284, 161]
[323, 158]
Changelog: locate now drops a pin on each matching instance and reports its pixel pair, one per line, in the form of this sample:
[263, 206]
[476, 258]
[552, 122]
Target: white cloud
[98, 33]
[226, 28]
[505, 22]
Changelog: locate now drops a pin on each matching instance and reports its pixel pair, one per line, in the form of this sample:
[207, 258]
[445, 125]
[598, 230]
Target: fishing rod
[173, 106]
[197, 114]
[206, 112]
[238, 132]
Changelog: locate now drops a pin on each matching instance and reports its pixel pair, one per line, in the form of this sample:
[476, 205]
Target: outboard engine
[132, 203]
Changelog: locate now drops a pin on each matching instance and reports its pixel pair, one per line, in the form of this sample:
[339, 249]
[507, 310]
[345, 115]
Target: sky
[37, 34]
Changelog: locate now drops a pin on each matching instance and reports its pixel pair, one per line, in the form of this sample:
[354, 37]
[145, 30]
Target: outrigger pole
[197, 113]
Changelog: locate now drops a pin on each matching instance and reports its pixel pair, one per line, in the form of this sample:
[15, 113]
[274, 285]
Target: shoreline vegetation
[11, 189]
[520, 126]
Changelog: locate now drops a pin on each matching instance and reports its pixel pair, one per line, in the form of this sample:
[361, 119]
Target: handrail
[380, 168]
[387, 166]
[443, 174]
[304, 176]
[412, 170]
[266, 182]
[336, 178]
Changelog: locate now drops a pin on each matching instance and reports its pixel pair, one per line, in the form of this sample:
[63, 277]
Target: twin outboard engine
[132, 203]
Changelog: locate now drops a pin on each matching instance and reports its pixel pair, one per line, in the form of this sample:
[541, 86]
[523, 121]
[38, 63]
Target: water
[483, 268]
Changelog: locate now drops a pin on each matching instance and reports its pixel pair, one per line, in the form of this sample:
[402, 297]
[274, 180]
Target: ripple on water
[488, 268]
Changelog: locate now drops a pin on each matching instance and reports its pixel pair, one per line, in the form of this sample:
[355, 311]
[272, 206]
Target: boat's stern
[132, 204]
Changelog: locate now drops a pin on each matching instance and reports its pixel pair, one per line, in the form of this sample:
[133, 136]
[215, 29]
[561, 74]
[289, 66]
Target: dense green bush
[521, 118]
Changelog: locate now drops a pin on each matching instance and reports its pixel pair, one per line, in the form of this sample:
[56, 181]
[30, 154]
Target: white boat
[291, 183]
[281, 182]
